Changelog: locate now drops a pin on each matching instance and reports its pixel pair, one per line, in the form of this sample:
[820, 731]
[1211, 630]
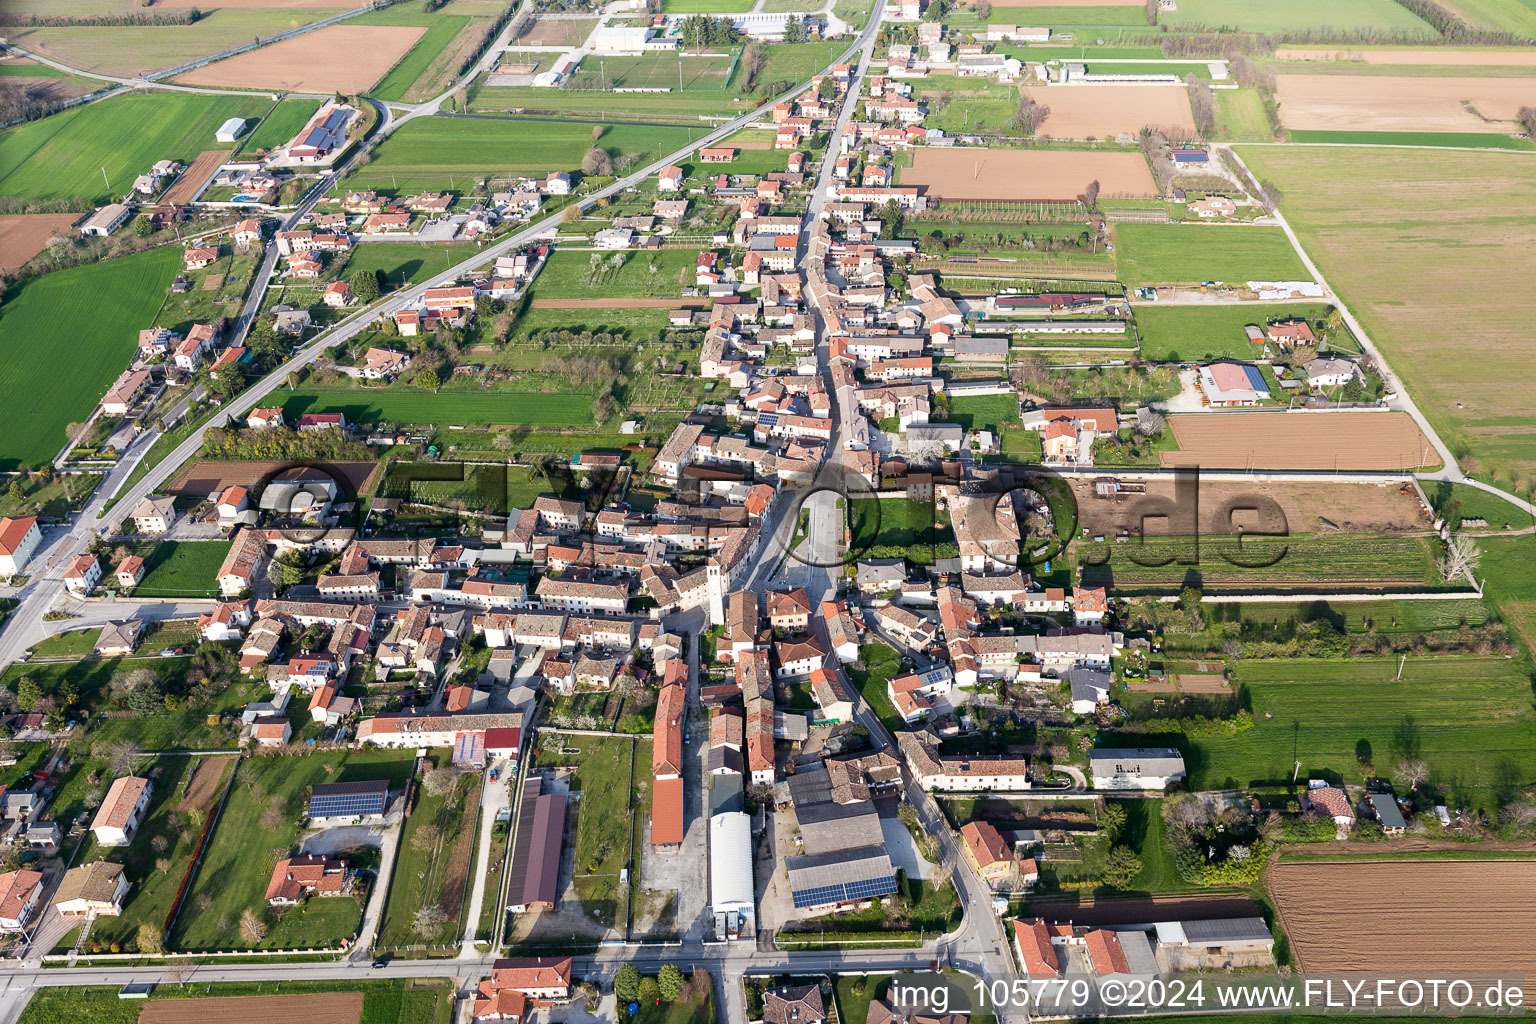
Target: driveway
[495, 796]
[344, 837]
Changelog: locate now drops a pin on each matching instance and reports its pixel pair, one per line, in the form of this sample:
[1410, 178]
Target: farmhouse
[1330, 801]
[1135, 767]
[320, 141]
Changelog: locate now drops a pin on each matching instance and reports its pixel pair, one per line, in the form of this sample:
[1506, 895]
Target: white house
[19, 538]
[1135, 767]
[120, 813]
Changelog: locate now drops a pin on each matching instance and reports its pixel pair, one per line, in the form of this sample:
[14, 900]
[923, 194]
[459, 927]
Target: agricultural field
[62, 156]
[1463, 501]
[402, 263]
[183, 569]
[1376, 916]
[679, 70]
[408, 1001]
[1260, 16]
[1418, 292]
[1240, 116]
[281, 125]
[572, 272]
[1182, 333]
[1330, 562]
[1457, 140]
[306, 63]
[260, 824]
[705, 6]
[411, 65]
[1094, 111]
[1468, 718]
[1057, 16]
[1401, 103]
[449, 153]
[401, 405]
[437, 847]
[1031, 175]
[1519, 17]
[23, 235]
[39, 319]
[1378, 441]
[1440, 56]
[972, 104]
[1190, 254]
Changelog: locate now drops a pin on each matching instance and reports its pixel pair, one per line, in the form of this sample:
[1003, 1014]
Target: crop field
[42, 322]
[306, 63]
[1327, 562]
[1094, 111]
[1030, 175]
[1468, 718]
[1518, 17]
[314, 1008]
[1313, 440]
[1459, 140]
[1057, 16]
[1436, 915]
[401, 405]
[408, 1001]
[281, 125]
[192, 179]
[183, 569]
[1262, 16]
[1446, 56]
[1240, 115]
[1418, 291]
[259, 826]
[1405, 103]
[448, 152]
[23, 235]
[1191, 253]
[412, 63]
[681, 70]
[705, 6]
[1181, 333]
[62, 156]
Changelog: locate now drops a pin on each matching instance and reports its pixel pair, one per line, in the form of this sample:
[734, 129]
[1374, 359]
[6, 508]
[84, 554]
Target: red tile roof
[667, 812]
[1035, 950]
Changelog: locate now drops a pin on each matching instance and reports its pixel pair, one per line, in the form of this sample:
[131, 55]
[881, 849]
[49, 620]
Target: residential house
[95, 889]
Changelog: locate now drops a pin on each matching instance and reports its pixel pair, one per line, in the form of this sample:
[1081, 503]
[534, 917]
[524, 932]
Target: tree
[428, 921]
[1411, 772]
[670, 981]
[252, 928]
[440, 781]
[426, 838]
[28, 693]
[293, 379]
[150, 939]
[626, 984]
[570, 215]
[1091, 195]
[1202, 104]
[597, 162]
[753, 60]
[983, 9]
[1527, 119]
[365, 286]
[650, 992]
[1112, 822]
[1028, 116]
[143, 227]
[427, 380]
[1121, 866]
[1461, 559]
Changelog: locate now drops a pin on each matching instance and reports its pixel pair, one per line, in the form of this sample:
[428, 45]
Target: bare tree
[252, 928]
[597, 162]
[1527, 119]
[1091, 195]
[1412, 772]
[1028, 116]
[439, 781]
[429, 921]
[1460, 560]
[1202, 104]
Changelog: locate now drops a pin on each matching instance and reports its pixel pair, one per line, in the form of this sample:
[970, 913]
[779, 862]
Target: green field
[996, 413]
[401, 404]
[408, 1001]
[898, 528]
[1428, 255]
[1297, 15]
[705, 6]
[419, 878]
[62, 156]
[1470, 502]
[881, 665]
[259, 826]
[659, 71]
[568, 274]
[1517, 16]
[1469, 719]
[1332, 561]
[403, 262]
[973, 104]
[1240, 115]
[1183, 333]
[450, 153]
[1460, 140]
[1066, 16]
[183, 569]
[44, 324]
[416, 60]
[1189, 254]
[30, 71]
[281, 125]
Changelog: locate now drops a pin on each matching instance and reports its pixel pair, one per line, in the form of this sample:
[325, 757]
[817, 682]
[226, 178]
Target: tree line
[190, 16]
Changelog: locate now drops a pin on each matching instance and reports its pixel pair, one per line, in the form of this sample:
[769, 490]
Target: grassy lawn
[896, 527]
[1240, 115]
[411, 67]
[1468, 718]
[1509, 576]
[985, 412]
[183, 569]
[1331, 560]
[601, 807]
[1189, 254]
[450, 153]
[401, 404]
[569, 273]
[259, 827]
[281, 125]
[1176, 333]
[694, 1005]
[431, 871]
[41, 319]
[971, 104]
[67, 492]
[1475, 140]
[881, 664]
[1259, 16]
[1411, 296]
[75, 643]
[406, 1001]
[62, 156]
[403, 263]
[632, 325]
[1469, 502]
[29, 756]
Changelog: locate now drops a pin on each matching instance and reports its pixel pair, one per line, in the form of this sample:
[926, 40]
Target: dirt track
[308, 63]
[204, 786]
[1027, 174]
[1419, 917]
[1314, 440]
[1393, 103]
[1094, 111]
[314, 1008]
[23, 235]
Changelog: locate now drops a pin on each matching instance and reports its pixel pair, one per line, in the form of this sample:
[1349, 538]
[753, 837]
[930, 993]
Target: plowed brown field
[1314, 440]
[1027, 174]
[191, 180]
[23, 235]
[308, 63]
[1480, 57]
[1425, 918]
[1094, 111]
[1394, 103]
[316, 1008]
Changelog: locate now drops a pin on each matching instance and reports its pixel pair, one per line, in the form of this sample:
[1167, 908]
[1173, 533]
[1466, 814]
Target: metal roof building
[349, 799]
[844, 876]
[1218, 933]
[535, 877]
[730, 863]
